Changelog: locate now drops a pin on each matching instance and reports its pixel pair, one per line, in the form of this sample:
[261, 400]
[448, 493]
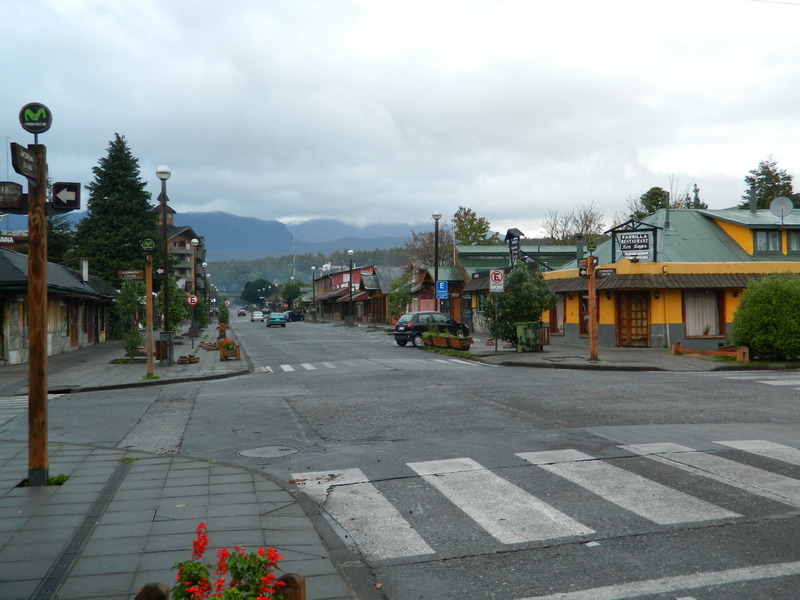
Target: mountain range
[231, 237]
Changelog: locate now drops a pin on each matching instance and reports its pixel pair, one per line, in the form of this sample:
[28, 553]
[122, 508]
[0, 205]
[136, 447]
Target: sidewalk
[124, 518]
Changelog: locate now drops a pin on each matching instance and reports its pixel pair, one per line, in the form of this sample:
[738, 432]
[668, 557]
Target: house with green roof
[676, 276]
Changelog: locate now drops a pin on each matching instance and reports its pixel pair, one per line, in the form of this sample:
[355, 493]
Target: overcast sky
[379, 111]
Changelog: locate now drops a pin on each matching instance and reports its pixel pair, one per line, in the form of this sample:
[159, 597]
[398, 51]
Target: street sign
[583, 271]
[35, 118]
[131, 274]
[605, 273]
[66, 196]
[496, 283]
[441, 290]
[10, 195]
[191, 299]
[148, 245]
[23, 161]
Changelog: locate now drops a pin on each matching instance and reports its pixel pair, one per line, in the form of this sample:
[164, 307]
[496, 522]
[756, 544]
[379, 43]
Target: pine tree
[766, 183]
[119, 216]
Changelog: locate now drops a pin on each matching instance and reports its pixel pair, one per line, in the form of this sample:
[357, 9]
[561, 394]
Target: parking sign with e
[496, 283]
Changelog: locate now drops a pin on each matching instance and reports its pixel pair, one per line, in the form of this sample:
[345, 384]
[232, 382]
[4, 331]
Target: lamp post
[314, 293]
[205, 291]
[163, 172]
[436, 216]
[350, 316]
[193, 333]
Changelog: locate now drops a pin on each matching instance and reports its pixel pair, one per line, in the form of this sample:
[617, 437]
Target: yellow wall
[741, 235]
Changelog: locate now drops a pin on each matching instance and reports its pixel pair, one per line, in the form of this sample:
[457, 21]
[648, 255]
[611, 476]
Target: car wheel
[283, 324]
[461, 333]
[401, 342]
[417, 340]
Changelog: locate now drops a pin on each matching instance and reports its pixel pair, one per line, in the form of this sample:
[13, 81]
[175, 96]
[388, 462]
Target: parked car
[241, 313]
[256, 315]
[293, 315]
[276, 319]
[411, 326]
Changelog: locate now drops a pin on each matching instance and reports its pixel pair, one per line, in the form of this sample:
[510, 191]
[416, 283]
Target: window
[701, 312]
[793, 239]
[767, 241]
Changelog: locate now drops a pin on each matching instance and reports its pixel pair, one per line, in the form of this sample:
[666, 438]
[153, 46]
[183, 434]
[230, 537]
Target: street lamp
[436, 216]
[314, 293]
[350, 317]
[163, 172]
[195, 243]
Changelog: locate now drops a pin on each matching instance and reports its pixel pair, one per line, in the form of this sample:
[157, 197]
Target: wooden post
[295, 588]
[37, 322]
[148, 301]
[153, 591]
[592, 310]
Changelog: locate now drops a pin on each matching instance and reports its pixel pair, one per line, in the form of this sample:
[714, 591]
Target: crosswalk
[13, 406]
[532, 509]
[363, 364]
[784, 379]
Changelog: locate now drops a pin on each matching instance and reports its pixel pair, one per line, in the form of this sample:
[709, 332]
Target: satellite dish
[781, 206]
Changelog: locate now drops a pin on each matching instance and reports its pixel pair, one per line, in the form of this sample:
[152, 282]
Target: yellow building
[676, 276]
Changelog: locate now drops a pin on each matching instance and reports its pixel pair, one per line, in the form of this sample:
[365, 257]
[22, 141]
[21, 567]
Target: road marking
[328, 365]
[367, 516]
[520, 517]
[287, 368]
[639, 495]
[751, 479]
[678, 583]
[308, 367]
[766, 449]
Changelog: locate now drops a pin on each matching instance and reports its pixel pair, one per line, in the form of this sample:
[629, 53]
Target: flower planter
[439, 341]
[458, 343]
[428, 341]
[226, 354]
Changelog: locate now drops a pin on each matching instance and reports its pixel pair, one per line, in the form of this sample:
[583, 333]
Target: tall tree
[563, 227]
[421, 248]
[471, 230]
[119, 215]
[60, 238]
[766, 183]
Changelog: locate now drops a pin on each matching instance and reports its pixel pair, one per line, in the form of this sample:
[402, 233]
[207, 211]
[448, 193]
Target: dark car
[292, 315]
[411, 326]
[241, 313]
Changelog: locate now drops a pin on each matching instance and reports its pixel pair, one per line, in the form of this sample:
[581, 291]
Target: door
[633, 318]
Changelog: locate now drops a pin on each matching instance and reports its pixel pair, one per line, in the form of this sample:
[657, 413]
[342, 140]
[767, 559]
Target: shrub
[767, 319]
[133, 340]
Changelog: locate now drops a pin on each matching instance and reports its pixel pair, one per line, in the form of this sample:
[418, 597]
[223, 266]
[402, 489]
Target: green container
[528, 336]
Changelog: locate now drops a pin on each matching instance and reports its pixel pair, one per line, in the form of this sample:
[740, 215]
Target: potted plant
[228, 349]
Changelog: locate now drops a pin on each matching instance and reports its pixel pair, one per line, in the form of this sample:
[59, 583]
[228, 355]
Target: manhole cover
[268, 451]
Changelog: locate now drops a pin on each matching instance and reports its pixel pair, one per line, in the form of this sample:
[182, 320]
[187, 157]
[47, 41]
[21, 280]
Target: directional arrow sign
[66, 196]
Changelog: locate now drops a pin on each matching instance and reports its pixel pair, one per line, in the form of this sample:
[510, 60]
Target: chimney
[84, 270]
[753, 202]
[579, 246]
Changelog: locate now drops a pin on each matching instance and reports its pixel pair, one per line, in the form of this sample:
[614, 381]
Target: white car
[256, 315]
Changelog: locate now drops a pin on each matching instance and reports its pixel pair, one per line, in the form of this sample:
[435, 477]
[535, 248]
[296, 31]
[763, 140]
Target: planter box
[439, 342]
[460, 343]
[226, 354]
[428, 341]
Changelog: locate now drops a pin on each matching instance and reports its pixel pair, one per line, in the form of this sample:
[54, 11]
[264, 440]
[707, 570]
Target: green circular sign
[149, 245]
[35, 118]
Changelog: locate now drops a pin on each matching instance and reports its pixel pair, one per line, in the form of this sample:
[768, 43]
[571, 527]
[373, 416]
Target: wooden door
[633, 319]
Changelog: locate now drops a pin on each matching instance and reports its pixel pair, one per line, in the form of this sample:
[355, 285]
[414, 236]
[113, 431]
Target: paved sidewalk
[124, 518]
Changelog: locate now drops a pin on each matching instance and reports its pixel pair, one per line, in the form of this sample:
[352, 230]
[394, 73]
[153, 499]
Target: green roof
[693, 236]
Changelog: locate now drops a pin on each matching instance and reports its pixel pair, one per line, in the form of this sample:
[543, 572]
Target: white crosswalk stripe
[648, 499]
[520, 517]
[371, 520]
[13, 406]
[367, 364]
[751, 479]
[776, 379]
[512, 514]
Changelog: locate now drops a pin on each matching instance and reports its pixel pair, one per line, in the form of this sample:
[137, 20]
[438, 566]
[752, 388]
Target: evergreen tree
[766, 183]
[119, 216]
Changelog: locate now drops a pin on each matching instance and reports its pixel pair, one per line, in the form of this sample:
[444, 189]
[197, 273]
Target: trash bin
[528, 337]
[162, 350]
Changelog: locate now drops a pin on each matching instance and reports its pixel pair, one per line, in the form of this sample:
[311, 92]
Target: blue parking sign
[441, 290]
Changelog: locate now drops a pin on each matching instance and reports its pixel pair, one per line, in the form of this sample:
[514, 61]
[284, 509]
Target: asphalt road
[453, 479]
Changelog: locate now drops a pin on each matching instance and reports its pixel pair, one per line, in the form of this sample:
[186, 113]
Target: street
[455, 479]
